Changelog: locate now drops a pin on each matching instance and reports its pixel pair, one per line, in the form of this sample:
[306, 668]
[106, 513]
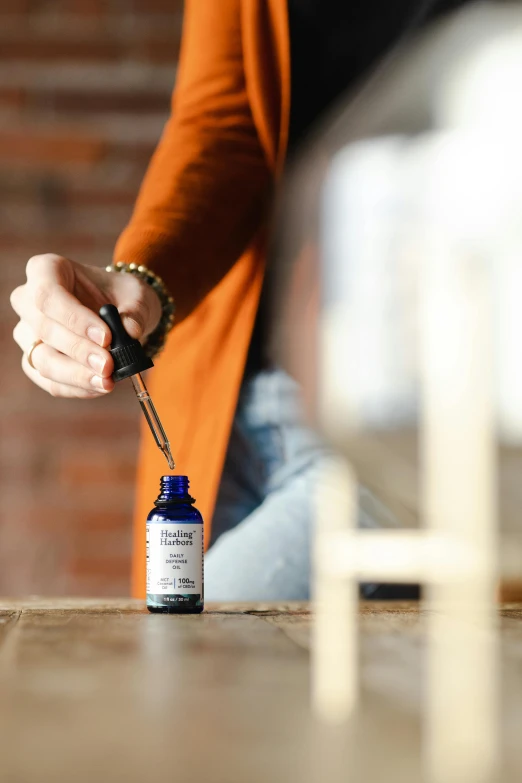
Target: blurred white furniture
[419, 331]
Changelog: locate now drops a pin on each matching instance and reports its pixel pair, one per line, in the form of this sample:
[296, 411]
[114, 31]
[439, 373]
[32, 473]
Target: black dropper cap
[128, 354]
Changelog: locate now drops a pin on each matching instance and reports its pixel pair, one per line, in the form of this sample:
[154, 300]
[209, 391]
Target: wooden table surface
[103, 691]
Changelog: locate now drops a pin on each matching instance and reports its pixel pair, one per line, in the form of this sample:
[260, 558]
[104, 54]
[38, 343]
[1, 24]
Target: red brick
[15, 7]
[75, 475]
[161, 51]
[56, 147]
[71, 245]
[103, 586]
[87, 425]
[168, 8]
[75, 7]
[67, 468]
[32, 495]
[34, 8]
[158, 6]
[94, 48]
[35, 49]
[42, 216]
[115, 567]
[82, 467]
[99, 545]
[87, 498]
[85, 521]
[106, 197]
[57, 153]
[32, 190]
[12, 97]
[85, 102]
[139, 152]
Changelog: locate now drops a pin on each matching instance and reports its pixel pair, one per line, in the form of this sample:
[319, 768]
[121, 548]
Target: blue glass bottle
[175, 551]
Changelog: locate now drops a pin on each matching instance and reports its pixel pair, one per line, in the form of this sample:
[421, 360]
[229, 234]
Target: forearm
[197, 211]
[206, 190]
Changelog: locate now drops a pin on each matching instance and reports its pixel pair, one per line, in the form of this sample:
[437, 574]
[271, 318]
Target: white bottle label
[174, 558]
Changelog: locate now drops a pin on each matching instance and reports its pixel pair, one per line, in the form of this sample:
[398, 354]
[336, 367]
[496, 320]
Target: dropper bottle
[130, 360]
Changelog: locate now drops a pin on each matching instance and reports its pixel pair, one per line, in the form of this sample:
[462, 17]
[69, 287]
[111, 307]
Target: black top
[336, 43]
[333, 45]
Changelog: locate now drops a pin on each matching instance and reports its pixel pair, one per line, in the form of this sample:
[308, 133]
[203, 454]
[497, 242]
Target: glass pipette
[130, 360]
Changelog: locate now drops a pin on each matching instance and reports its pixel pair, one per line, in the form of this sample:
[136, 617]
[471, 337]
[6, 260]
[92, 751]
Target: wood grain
[104, 691]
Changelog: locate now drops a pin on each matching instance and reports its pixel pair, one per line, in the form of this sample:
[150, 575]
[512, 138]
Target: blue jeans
[261, 532]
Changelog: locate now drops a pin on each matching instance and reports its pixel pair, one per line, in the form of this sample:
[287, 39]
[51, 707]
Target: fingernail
[132, 327]
[97, 383]
[97, 363]
[96, 334]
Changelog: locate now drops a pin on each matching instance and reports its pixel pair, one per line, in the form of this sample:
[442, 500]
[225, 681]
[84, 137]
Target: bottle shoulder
[182, 512]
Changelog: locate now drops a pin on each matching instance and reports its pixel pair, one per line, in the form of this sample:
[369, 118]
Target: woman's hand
[59, 305]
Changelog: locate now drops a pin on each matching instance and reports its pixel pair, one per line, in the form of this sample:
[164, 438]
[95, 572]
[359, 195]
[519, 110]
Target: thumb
[141, 316]
[138, 305]
[133, 324]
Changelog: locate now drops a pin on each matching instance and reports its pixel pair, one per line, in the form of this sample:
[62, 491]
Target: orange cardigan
[198, 222]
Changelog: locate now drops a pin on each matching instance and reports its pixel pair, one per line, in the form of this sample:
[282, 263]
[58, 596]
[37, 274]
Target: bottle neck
[174, 491]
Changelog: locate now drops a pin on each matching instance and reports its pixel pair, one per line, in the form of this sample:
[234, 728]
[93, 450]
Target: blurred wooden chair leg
[334, 648]
[459, 506]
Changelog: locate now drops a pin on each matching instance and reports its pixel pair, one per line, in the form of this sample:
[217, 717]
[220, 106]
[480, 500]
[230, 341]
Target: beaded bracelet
[156, 340]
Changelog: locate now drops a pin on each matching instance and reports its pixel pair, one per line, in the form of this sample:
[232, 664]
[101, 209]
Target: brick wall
[84, 93]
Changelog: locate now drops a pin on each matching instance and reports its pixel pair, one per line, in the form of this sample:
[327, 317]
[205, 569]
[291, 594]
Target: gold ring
[30, 353]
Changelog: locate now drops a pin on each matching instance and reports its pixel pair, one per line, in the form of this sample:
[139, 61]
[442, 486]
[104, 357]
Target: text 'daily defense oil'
[175, 551]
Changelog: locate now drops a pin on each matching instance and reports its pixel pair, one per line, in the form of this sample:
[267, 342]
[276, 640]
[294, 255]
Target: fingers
[139, 307]
[51, 281]
[39, 305]
[137, 303]
[57, 373]
[56, 336]
[54, 388]
[55, 316]
[59, 305]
